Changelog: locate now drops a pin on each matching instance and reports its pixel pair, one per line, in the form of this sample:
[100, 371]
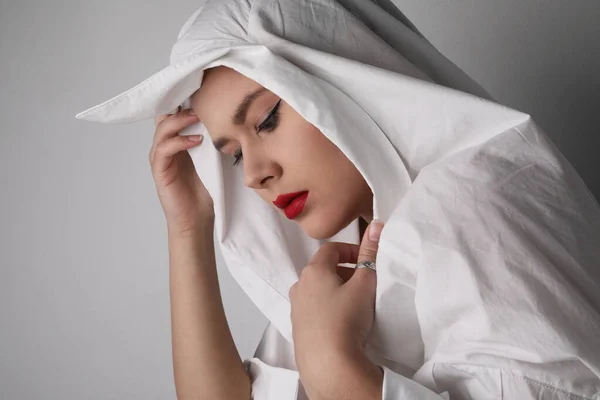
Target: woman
[486, 282]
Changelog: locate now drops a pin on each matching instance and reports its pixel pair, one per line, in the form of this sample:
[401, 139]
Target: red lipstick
[291, 203]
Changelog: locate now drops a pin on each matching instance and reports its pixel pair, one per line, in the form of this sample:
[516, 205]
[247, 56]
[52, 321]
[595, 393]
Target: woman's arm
[206, 363]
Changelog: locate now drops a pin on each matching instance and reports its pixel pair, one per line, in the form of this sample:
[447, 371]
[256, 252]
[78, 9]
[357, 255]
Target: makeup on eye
[269, 124]
[272, 119]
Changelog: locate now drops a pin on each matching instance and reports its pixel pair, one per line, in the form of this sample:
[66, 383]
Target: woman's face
[282, 153]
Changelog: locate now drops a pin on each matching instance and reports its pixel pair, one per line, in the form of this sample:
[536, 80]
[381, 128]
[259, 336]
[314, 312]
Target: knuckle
[292, 290]
[367, 254]
[160, 123]
[168, 125]
[158, 119]
[160, 147]
[324, 247]
[162, 150]
[304, 272]
[164, 127]
[307, 271]
[328, 246]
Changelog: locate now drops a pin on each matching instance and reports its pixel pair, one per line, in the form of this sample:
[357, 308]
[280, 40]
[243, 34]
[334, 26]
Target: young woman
[321, 117]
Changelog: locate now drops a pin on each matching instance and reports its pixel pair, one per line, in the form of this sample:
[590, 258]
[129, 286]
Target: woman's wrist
[361, 377]
[203, 228]
[195, 245]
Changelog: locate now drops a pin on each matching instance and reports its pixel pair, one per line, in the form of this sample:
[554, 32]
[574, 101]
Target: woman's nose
[258, 168]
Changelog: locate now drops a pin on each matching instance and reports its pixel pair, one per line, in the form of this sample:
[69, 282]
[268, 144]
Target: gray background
[84, 292]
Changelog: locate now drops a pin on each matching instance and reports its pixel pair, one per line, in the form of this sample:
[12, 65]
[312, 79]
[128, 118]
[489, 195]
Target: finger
[370, 242]
[169, 126]
[167, 149]
[160, 117]
[367, 252]
[331, 254]
[368, 248]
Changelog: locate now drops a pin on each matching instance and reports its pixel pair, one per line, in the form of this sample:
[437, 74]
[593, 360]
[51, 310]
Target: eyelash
[269, 125]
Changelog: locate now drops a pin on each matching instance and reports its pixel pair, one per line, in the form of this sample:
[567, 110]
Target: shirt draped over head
[488, 271]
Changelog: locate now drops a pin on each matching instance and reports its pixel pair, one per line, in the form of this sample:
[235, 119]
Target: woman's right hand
[185, 201]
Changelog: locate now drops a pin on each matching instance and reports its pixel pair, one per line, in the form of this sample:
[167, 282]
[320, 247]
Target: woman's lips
[296, 206]
[291, 203]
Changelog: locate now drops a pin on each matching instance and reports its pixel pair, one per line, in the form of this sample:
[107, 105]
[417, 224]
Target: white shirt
[488, 270]
[506, 304]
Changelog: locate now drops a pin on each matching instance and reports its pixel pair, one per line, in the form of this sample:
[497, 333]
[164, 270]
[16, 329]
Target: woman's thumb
[368, 252]
[370, 242]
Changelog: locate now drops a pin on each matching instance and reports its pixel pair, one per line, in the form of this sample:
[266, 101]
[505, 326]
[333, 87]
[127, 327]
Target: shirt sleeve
[503, 240]
[272, 369]
[271, 383]
[398, 387]
[474, 382]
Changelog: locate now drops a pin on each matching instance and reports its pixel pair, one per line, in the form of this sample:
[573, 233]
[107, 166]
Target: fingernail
[195, 138]
[191, 111]
[375, 228]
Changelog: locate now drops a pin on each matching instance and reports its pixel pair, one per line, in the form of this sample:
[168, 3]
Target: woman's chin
[317, 235]
[320, 228]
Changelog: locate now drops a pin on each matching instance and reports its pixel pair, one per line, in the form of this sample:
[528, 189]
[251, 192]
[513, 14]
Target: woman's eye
[269, 124]
[272, 120]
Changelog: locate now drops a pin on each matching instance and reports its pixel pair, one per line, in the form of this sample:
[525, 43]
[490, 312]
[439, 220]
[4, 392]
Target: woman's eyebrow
[241, 112]
[239, 118]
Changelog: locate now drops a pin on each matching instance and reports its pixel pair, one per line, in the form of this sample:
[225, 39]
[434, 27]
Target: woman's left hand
[332, 311]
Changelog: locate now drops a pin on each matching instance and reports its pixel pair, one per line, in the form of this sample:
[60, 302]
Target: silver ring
[366, 264]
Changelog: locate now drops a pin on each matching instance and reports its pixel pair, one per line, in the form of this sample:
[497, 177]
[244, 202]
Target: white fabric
[488, 282]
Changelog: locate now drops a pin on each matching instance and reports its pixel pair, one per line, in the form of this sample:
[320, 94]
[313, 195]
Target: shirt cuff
[398, 387]
[271, 383]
